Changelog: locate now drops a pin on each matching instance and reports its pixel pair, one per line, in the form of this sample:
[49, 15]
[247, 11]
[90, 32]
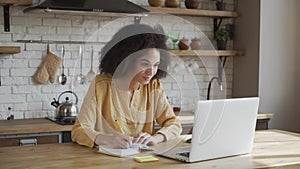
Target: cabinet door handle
[28, 142]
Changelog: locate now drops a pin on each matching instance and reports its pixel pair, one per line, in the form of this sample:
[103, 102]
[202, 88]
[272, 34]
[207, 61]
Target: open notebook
[119, 152]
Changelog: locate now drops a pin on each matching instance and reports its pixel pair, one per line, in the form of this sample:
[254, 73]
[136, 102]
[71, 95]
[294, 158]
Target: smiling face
[145, 67]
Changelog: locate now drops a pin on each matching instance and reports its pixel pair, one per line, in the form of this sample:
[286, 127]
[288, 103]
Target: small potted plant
[220, 4]
[222, 36]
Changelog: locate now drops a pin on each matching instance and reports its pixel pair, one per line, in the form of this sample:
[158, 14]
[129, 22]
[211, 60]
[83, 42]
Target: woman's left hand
[145, 138]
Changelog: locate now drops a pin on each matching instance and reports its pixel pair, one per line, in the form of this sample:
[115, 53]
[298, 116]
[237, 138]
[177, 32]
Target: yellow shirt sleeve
[170, 125]
[83, 131]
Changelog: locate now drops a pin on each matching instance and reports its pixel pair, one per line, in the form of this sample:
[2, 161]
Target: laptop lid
[223, 128]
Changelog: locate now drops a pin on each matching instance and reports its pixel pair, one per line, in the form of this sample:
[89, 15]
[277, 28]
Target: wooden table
[272, 149]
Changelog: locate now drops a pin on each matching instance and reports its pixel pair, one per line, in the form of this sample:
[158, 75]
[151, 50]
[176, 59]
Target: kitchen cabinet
[30, 139]
[263, 119]
[41, 131]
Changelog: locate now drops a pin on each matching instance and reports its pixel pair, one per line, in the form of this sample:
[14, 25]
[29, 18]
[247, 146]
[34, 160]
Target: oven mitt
[47, 70]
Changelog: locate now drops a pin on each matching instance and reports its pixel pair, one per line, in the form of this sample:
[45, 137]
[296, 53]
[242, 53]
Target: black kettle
[66, 108]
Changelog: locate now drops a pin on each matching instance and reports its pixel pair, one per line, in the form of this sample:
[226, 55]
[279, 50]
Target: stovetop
[63, 120]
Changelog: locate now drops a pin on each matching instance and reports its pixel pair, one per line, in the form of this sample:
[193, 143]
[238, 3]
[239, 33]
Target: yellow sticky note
[144, 159]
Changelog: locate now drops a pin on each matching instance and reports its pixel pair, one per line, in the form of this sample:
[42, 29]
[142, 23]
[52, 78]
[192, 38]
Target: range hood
[114, 6]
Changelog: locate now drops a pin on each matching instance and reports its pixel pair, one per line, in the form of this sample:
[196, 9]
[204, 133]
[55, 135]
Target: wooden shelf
[193, 12]
[16, 2]
[175, 11]
[6, 5]
[9, 49]
[184, 53]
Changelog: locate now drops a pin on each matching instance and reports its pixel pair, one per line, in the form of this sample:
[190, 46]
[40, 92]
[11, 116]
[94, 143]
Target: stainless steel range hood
[114, 6]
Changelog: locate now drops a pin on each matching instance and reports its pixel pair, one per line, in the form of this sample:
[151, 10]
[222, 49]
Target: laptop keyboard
[185, 154]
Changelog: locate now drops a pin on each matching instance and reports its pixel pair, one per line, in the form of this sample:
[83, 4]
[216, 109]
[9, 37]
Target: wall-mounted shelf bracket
[6, 18]
[217, 23]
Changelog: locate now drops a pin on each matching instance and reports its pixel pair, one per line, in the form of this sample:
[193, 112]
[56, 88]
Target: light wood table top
[272, 148]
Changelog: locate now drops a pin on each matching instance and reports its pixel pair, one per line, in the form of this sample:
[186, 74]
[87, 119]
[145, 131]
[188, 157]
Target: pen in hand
[121, 130]
[119, 126]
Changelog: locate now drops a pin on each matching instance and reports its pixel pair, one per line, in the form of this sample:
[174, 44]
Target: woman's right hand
[117, 140]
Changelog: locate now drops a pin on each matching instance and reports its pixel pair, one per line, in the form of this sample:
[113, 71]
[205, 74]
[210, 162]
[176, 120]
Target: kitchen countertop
[271, 149]
[25, 126]
[261, 116]
[41, 125]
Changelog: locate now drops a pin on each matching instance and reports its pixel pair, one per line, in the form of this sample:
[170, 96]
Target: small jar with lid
[156, 3]
[196, 44]
[192, 4]
[172, 3]
[184, 44]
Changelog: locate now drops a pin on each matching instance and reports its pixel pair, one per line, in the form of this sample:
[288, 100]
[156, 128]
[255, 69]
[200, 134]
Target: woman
[128, 90]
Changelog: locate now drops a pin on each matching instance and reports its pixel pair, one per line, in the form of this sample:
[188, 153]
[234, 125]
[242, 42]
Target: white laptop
[221, 128]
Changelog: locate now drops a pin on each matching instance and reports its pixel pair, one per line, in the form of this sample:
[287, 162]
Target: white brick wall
[30, 100]
[5, 37]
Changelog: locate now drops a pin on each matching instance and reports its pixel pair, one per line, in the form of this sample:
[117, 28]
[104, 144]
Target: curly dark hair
[129, 40]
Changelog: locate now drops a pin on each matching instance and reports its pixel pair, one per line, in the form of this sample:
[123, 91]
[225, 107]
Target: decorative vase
[156, 3]
[221, 45]
[184, 44]
[196, 44]
[172, 3]
[192, 4]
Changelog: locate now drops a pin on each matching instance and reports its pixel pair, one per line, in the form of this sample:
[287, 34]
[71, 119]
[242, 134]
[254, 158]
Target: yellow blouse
[104, 103]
